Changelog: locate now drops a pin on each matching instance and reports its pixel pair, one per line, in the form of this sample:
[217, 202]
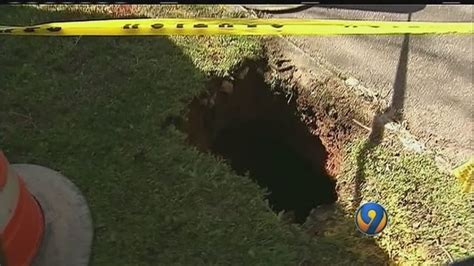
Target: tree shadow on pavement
[394, 112]
[402, 9]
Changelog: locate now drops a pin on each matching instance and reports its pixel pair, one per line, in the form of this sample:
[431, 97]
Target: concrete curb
[68, 234]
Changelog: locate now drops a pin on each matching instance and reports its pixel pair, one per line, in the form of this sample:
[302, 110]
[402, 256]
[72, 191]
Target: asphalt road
[432, 75]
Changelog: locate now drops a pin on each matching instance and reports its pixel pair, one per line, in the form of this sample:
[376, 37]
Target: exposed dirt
[261, 132]
[328, 107]
[287, 140]
[281, 123]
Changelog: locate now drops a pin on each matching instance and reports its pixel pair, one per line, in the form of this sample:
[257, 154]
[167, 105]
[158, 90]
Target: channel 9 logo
[371, 218]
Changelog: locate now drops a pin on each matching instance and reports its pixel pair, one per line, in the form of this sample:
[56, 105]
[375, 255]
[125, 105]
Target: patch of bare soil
[283, 125]
[328, 107]
[258, 129]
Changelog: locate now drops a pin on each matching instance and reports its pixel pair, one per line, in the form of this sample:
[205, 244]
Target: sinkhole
[259, 132]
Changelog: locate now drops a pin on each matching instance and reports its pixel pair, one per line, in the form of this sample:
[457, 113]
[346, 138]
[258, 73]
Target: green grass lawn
[95, 108]
[430, 218]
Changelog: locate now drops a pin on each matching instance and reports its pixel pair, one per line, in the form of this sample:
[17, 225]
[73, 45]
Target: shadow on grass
[393, 113]
[94, 108]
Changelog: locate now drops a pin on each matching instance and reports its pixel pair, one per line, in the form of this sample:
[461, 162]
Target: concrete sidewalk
[432, 75]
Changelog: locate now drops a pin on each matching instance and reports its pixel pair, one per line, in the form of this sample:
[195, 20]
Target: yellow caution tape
[119, 27]
[465, 174]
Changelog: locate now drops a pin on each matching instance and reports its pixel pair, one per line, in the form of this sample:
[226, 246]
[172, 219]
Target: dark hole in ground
[260, 132]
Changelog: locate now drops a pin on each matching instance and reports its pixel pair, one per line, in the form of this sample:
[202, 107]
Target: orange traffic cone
[44, 219]
[21, 219]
